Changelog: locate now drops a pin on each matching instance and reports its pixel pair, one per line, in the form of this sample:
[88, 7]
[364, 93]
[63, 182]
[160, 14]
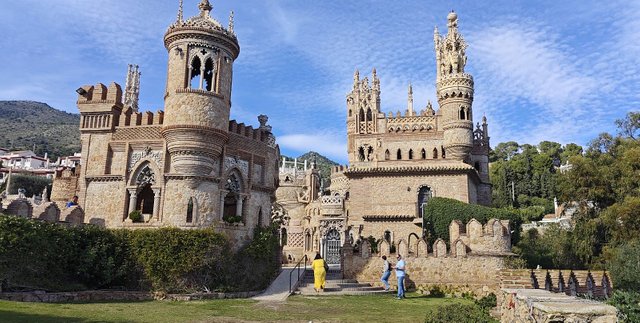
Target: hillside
[324, 164]
[25, 123]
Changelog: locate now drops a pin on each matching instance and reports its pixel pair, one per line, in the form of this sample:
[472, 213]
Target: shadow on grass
[16, 317]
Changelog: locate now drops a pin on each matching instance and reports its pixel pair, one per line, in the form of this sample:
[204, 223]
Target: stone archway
[333, 236]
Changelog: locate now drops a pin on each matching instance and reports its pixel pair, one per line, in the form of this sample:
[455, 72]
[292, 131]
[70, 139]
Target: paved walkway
[278, 291]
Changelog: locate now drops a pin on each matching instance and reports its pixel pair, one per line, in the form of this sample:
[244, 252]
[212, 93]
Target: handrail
[298, 267]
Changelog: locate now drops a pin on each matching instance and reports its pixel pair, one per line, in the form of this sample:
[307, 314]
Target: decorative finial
[230, 29]
[180, 12]
[410, 88]
[205, 7]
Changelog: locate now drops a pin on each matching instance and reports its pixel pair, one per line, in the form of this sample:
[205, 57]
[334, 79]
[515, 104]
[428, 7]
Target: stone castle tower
[186, 166]
[454, 90]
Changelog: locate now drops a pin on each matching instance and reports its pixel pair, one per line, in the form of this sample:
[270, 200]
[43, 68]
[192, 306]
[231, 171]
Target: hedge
[40, 255]
[439, 213]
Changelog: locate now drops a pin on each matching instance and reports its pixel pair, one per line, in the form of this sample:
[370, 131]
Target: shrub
[255, 265]
[135, 216]
[628, 305]
[175, 260]
[623, 266]
[458, 313]
[40, 255]
[488, 302]
[440, 211]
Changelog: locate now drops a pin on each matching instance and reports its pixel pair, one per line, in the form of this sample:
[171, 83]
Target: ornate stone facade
[397, 161]
[189, 165]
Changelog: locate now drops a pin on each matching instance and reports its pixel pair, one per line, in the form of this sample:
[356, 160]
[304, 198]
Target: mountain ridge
[25, 124]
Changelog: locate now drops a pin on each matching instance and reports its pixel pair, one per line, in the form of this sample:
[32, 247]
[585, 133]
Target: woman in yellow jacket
[319, 267]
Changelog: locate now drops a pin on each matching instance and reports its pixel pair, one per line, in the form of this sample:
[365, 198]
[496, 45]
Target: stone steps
[336, 285]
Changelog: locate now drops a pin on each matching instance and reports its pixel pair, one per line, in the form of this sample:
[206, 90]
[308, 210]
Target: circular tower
[454, 89]
[198, 93]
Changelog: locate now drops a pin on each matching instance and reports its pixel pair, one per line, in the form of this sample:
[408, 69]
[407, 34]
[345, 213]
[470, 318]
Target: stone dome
[452, 16]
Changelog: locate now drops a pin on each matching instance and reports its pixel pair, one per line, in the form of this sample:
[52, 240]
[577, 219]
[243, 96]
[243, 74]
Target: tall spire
[132, 87]
[205, 7]
[230, 29]
[410, 101]
[180, 17]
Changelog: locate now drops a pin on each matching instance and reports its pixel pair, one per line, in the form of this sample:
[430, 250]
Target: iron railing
[297, 267]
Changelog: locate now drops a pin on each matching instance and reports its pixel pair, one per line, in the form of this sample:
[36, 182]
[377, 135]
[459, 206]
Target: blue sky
[544, 70]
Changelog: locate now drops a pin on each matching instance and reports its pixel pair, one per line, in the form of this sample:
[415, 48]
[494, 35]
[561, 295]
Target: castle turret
[454, 89]
[198, 93]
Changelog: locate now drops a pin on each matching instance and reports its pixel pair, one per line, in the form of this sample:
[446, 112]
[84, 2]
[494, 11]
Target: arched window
[145, 200]
[361, 153]
[410, 153]
[194, 70]
[283, 237]
[387, 236]
[435, 153]
[349, 113]
[190, 210]
[260, 217]
[443, 152]
[424, 194]
[307, 241]
[361, 115]
[369, 114]
[476, 165]
[386, 155]
[399, 154]
[423, 153]
[462, 113]
[208, 75]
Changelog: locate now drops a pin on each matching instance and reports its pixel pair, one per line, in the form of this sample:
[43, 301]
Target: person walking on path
[400, 272]
[386, 272]
[319, 267]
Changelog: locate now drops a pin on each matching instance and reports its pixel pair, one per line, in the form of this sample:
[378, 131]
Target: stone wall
[534, 305]
[478, 274]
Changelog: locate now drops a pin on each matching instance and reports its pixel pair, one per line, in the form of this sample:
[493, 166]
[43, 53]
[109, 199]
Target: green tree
[570, 150]
[504, 151]
[630, 125]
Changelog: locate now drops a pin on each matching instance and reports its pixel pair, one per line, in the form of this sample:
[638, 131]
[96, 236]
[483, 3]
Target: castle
[188, 166]
[396, 163]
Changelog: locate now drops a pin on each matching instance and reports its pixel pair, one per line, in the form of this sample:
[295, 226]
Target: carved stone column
[156, 204]
[133, 195]
[239, 200]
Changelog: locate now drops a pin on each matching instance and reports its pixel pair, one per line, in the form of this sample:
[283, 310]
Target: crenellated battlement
[100, 94]
[494, 236]
[339, 169]
[130, 118]
[246, 131]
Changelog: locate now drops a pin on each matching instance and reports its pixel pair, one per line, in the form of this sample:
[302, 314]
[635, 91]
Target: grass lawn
[370, 308]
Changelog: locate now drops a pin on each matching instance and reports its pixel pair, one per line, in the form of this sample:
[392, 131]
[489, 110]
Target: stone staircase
[336, 285]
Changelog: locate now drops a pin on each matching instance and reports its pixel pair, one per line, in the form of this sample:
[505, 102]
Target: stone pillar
[222, 196]
[239, 200]
[201, 74]
[156, 204]
[132, 200]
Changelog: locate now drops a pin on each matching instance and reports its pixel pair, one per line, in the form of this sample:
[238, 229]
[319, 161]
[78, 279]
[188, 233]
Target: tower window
[369, 114]
[361, 115]
[424, 154]
[410, 153]
[208, 75]
[424, 194]
[443, 152]
[435, 153]
[361, 153]
[462, 114]
[194, 70]
[190, 210]
[349, 113]
[386, 155]
[399, 155]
